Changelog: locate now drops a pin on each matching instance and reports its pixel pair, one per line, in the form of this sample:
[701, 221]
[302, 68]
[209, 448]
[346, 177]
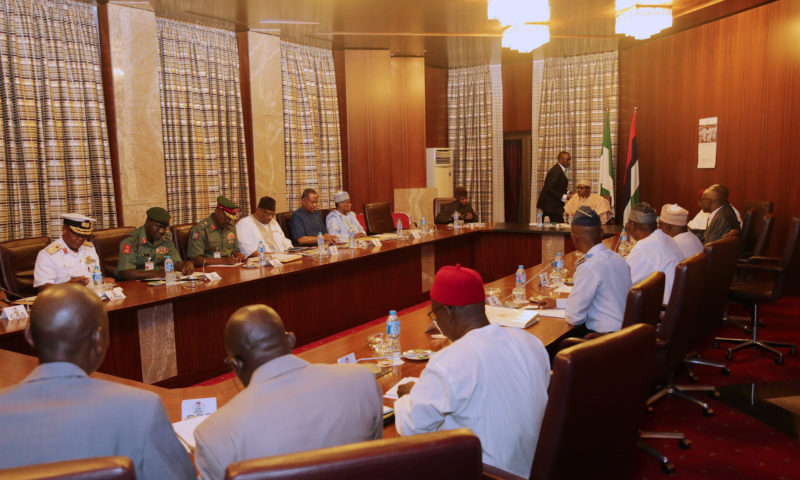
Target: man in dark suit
[723, 219]
[554, 192]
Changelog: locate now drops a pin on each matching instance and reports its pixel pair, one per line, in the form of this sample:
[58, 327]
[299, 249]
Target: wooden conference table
[172, 336]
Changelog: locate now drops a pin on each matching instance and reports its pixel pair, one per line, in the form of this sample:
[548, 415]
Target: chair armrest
[762, 259]
[570, 342]
[759, 268]
[494, 473]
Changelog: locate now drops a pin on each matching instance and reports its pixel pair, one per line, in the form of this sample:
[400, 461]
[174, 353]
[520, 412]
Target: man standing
[342, 222]
[143, 251]
[71, 258]
[554, 191]
[654, 250]
[58, 413]
[261, 226]
[586, 198]
[491, 379]
[461, 205]
[306, 222]
[602, 278]
[722, 219]
[672, 221]
[213, 240]
[288, 405]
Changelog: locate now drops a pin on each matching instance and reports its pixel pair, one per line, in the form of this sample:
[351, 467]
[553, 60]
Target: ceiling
[446, 32]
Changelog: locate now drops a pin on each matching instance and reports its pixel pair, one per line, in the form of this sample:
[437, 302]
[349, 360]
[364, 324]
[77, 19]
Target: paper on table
[237, 264]
[553, 313]
[185, 431]
[563, 289]
[392, 392]
[508, 317]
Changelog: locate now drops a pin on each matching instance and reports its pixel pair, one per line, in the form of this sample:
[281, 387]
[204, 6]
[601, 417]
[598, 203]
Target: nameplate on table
[333, 250]
[275, 262]
[213, 276]
[115, 294]
[494, 301]
[14, 318]
[349, 358]
[415, 234]
[195, 407]
[544, 280]
[375, 242]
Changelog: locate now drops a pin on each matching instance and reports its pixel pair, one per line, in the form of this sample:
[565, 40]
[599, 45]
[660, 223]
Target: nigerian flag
[607, 164]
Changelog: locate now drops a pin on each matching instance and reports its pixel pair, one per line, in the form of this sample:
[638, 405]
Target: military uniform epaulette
[52, 249]
[88, 244]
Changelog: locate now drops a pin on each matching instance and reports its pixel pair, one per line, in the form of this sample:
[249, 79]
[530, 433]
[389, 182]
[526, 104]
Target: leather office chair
[757, 290]
[439, 202]
[99, 468]
[283, 220]
[403, 217]
[106, 243]
[447, 455]
[763, 233]
[17, 261]
[180, 235]
[379, 218]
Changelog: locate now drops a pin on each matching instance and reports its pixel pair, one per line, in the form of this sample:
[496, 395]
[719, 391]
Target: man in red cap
[491, 379]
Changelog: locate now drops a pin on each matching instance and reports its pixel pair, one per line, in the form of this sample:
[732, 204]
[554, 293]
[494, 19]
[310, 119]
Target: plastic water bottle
[558, 270]
[624, 244]
[262, 253]
[169, 271]
[456, 220]
[539, 217]
[351, 238]
[399, 228]
[97, 278]
[321, 244]
[519, 285]
[422, 224]
[393, 332]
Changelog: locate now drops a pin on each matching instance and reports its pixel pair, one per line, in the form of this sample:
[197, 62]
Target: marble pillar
[416, 202]
[157, 343]
[428, 263]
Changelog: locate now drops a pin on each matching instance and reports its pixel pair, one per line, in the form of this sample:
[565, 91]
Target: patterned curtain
[54, 155]
[471, 134]
[311, 123]
[201, 118]
[570, 96]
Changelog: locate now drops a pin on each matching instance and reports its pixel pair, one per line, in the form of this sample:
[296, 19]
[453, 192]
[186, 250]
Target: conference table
[171, 336]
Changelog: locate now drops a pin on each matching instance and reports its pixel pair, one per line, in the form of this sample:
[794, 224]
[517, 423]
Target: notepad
[185, 431]
[553, 313]
[509, 317]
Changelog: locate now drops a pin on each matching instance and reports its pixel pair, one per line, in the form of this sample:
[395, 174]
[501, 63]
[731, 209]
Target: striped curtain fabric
[471, 134]
[201, 118]
[312, 143]
[54, 155]
[570, 96]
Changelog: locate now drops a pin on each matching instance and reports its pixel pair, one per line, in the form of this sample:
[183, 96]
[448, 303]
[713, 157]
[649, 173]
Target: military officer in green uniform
[142, 252]
[213, 241]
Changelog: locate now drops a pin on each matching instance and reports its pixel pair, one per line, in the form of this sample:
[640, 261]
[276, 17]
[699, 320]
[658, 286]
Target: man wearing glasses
[70, 258]
[142, 252]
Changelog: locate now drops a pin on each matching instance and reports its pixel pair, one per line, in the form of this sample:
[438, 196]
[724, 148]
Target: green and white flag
[607, 164]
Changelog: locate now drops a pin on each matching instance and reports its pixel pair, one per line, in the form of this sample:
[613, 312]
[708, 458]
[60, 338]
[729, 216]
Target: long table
[172, 336]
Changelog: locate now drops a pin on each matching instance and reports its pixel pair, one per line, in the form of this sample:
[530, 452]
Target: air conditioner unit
[439, 168]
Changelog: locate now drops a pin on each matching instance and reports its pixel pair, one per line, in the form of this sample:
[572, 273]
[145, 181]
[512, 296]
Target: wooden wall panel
[436, 107]
[517, 96]
[408, 122]
[743, 69]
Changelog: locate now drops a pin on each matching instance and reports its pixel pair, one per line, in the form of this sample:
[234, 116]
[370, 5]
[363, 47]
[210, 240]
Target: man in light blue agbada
[342, 222]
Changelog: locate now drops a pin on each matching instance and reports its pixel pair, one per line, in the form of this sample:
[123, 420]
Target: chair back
[721, 257]
[762, 236]
[747, 234]
[106, 243]
[403, 217]
[787, 257]
[180, 235]
[17, 261]
[362, 220]
[439, 201]
[99, 468]
[615, 371]
[283, 220]
[447, 455]
[676, 325]
[643, 303]
[379, 218]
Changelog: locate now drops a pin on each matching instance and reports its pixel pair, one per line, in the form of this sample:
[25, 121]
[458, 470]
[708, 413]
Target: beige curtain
[201, 118]
[311, 123]
[54, 155]
[471, 134]
[570, 96]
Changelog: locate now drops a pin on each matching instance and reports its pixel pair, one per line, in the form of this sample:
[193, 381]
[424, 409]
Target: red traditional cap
[457, 286]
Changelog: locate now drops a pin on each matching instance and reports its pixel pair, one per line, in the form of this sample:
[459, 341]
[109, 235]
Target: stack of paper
[508, 317]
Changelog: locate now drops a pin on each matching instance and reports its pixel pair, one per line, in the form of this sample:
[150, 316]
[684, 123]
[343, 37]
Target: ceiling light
[518, 12]
[640, 20]
[526, 38]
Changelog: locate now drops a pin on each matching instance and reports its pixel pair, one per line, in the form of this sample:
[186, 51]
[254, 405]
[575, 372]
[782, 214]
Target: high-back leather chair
[614, 371]
[99, 468]
[379, 218]
[180, 235]
[106, 243]
[768, 287]
[439, 202]
[447, 455]
[762, 236]
[283, 220]
[17, 260]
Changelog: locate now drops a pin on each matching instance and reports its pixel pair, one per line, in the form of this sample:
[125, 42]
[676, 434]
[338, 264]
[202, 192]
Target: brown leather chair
[753, 291]
[283, 220]
[379, 218]
[452, 454]
[99, 468]
[180, 235]
[106, 243]
[439, 202]
[17, 260]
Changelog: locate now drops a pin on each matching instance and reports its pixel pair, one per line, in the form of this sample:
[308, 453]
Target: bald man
[59, 413]
[288, 405]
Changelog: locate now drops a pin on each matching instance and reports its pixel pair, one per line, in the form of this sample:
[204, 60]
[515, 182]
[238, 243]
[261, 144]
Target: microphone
[18, 297]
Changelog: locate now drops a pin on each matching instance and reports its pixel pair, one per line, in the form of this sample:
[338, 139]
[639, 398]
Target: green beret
[159, 215]
[224, 201]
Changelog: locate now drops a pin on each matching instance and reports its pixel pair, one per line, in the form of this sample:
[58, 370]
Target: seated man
[602, 278]
[722, 217]
[306, 222]
[491, 379]
[213, 240]
[460, 205]
[71, 258]
[342, 222]
[673, 222]
[143, 251]
[654, 250]
[288, 405]
[58, 413]
[585, 197]
[261, 226]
